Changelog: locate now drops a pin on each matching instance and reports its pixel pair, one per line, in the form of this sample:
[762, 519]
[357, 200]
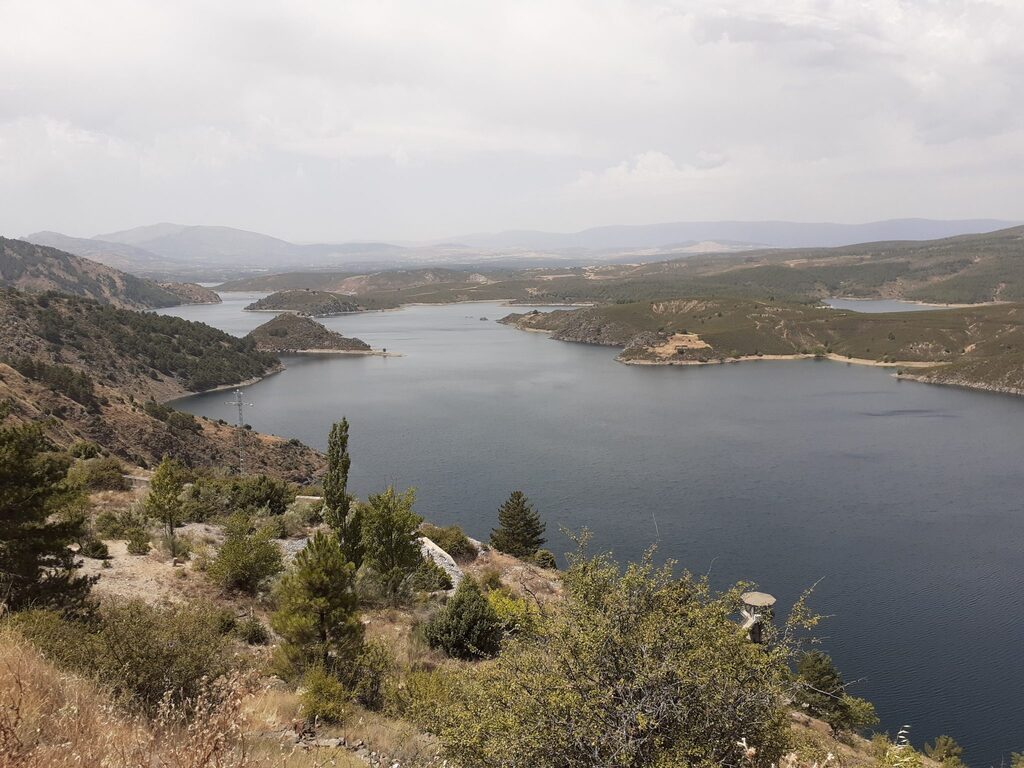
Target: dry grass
[49, 719]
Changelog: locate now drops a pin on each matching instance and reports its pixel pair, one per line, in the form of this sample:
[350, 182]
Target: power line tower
[239, 403]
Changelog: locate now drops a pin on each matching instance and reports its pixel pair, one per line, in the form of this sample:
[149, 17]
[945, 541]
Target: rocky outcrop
[442, 559]
[297, 333]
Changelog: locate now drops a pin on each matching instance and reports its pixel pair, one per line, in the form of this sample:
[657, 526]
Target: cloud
[644, 175]
[333, 118]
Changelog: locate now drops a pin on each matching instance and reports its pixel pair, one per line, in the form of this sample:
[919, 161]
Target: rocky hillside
[38, 268]
[305, 302]
[296, 333]
[101, 372]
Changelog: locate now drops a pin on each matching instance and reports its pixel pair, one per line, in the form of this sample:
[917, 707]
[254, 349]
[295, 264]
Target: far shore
[223, 387]
[833, 357]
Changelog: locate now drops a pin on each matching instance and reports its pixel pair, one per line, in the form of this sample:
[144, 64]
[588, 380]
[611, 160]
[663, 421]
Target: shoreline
[938, 306]
[223, 387]
[752, 358]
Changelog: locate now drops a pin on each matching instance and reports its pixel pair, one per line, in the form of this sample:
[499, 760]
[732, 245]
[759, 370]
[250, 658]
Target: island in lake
[306, 302]
[297, 333]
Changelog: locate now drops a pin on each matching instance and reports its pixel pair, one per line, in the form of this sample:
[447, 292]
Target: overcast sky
[405, 120]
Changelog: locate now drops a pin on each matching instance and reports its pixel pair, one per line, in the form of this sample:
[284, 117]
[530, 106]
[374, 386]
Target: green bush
[323, 697]
[138, 541]
[452, 540]
[94, 548]
[516, 615]
[430, 577]
[245, 560]
[252, 631]
[102, 473]
[467, 627]
[373, 668]
[84, 449]
[256, 492]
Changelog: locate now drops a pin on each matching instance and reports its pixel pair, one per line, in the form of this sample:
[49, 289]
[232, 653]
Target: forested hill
[101, 371]
[37, 268]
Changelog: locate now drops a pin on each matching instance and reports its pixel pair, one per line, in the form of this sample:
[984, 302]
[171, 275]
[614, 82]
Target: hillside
[294, 333]
[966, 269]
[37, 268]
[980, 345]
[100, 372]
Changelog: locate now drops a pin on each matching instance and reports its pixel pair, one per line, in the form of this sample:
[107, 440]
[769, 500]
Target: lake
[903, 501]
[872, 306]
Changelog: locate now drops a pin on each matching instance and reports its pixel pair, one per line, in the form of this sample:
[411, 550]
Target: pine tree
[164, 500]
[37, 523]
[317, 610]
[339, 513]
[520, 530]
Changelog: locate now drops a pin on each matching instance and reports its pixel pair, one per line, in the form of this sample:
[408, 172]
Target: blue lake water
[904, 500]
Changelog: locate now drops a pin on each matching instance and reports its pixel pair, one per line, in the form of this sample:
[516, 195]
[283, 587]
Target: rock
[443, 560]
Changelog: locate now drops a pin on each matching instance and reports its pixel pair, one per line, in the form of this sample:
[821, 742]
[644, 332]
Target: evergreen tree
[821, 690]
[339, 513]
[390, 539]
[37, 523]
[164, 501]
[468, 627]
[317, 610]
[520, 530]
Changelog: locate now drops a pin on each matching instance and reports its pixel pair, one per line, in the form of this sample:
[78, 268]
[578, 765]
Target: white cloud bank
[327, 120]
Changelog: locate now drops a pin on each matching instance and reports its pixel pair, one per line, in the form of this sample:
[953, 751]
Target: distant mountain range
[772, 234]
[222, 252]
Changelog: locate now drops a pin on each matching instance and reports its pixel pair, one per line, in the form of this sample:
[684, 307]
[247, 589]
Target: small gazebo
[756, 612]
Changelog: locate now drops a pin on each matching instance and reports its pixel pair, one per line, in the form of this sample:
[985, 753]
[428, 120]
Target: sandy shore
[358, 352]
[752, 358]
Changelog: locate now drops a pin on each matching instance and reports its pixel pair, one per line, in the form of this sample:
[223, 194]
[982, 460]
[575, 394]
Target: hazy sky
[332, 120]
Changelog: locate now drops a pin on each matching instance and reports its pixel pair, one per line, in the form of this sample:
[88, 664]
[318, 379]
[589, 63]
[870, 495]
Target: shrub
[245, 561]
[515, 614]
[637, 668]
[452, 540]
[545, 558]
[103, 473]
[430, 577]
[138, 541]
[373, 668]
[252, 631]
[142, 653]
[467, 627]
[84, 449]
[323, 697]
[256, 492]
[94, 548]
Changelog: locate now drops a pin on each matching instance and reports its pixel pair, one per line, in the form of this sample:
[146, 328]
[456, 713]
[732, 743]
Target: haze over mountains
[213, 251]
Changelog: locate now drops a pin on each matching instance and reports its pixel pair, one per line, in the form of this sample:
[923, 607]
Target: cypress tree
[339, 513]
[37, 523]
[520, 530]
